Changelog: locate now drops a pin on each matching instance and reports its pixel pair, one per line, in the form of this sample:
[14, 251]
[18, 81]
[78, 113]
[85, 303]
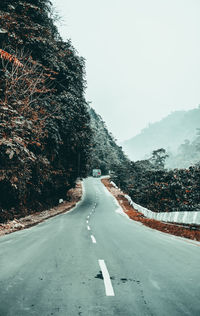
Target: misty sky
[142, 57]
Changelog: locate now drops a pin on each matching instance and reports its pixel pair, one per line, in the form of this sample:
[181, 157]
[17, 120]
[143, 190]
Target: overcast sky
[142, 57]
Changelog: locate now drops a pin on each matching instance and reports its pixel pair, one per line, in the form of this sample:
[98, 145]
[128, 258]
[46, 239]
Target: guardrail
[172, 217]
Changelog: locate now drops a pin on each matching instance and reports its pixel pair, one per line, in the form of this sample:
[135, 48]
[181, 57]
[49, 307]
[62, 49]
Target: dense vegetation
[45, 133]
[48, 134]
[105, 153]
[158, 189]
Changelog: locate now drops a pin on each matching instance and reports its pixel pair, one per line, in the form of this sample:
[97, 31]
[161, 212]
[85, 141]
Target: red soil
[133, 214]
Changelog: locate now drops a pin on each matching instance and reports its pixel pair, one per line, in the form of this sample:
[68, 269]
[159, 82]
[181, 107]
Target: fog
[142, 57]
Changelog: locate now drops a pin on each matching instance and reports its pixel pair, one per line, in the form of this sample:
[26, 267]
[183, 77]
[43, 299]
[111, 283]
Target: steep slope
[168, 133]
[105, 153]
[45, 126]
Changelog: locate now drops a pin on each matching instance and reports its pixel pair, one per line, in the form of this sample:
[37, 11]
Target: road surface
[94, 261]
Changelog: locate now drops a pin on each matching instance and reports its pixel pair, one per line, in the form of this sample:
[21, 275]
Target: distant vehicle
[96, 173]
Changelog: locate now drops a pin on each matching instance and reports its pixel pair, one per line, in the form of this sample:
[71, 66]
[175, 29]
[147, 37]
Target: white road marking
[88, 227]
[93, 239]
[88, 216]
[87, 222]
[107, 282]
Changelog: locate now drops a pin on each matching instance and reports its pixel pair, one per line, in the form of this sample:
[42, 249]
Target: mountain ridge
[169, 133]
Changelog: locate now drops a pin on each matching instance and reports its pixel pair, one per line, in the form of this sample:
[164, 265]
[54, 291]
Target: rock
[18, 226]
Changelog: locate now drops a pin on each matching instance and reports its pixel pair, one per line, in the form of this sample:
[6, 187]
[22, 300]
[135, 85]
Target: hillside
[105, 153]
[169, 133]
[49, 136]
[45, 126]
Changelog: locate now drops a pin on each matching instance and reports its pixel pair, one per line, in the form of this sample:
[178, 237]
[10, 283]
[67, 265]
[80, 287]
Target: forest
[167, 178]
[50, 136]
[105, 153]
[45, 125]
[150, 185]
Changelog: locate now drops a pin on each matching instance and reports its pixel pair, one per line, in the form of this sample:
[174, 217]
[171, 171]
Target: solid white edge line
[107, 282]
[88, 227]
[93, 239]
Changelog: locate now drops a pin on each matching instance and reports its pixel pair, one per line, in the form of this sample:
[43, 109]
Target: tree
[158, 158]
[45, 131]
[105, 153]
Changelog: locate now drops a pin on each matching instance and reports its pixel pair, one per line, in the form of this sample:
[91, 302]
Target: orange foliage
[9, 57]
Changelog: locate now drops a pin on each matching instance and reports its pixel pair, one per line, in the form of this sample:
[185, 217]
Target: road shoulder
[133, 214]
[74, 195]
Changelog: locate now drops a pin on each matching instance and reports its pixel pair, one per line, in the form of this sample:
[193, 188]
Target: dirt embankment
[74, 195]
[133, 214]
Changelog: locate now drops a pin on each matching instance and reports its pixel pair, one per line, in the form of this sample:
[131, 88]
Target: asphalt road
[94, 261]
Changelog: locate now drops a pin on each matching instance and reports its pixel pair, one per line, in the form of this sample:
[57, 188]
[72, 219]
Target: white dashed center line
[88, 227]
[87, 222]
[93, 239]
[107, 282]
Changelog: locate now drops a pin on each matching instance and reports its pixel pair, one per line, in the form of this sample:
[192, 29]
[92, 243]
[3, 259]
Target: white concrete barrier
[172, 217]
[113, 183]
